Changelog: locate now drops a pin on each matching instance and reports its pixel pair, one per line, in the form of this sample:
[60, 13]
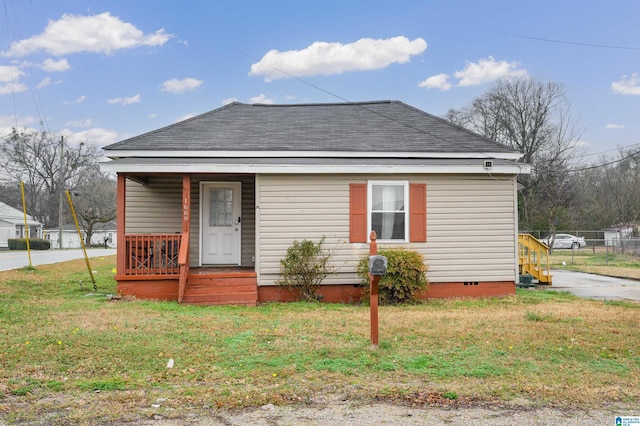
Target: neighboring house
[12, 225]
[208, 206]
[613, 235]
[70, 239]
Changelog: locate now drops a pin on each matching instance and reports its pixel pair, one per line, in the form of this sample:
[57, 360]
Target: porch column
[121, 199]
[186, 204]
[183, 258]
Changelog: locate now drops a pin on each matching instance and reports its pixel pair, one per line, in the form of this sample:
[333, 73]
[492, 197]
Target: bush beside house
[406, 276]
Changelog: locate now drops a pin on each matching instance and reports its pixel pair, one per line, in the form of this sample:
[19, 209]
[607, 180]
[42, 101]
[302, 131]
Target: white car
[565, 241]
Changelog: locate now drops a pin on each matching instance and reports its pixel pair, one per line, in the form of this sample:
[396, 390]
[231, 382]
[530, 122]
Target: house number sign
[185, 210]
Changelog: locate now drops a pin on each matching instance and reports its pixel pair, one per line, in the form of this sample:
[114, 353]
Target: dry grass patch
[83, 357]
[597, 262]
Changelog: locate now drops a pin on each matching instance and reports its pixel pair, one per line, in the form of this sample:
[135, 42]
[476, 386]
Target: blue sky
[103, 71]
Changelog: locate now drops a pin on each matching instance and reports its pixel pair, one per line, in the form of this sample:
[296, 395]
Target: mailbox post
[377, 268]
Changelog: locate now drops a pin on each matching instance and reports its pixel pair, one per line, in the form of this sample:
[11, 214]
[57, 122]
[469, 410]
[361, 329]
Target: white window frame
[405, 185]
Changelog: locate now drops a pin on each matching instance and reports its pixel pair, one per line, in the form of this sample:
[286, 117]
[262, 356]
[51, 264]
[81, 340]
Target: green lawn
[75, 353]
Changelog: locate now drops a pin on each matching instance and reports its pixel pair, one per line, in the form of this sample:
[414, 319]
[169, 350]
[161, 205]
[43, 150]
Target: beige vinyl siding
[470, 224]
[156, 208]
[294, 207]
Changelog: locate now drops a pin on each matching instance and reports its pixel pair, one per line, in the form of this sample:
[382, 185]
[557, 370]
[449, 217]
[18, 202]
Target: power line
[619, 160]
[609, 150]
[13, 32]
[599, 166]
[575, 43]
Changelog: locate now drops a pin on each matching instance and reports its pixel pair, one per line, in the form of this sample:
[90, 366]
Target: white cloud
[98, 33]
[80, 123]
[44, 83]
[627, 85]
[260, 99]
[475, 73]
[180, 86]
[8, 88]
[152, 116]
[186, 117]
[322, 58]
[126, 100]
[50, 65]
[78, 100]
[614, 126]
[487, 70]
[8, 122]
[228, 101]
[10, 73]
[439, 81]
[95, 136]
[10, 76]
[583, 144]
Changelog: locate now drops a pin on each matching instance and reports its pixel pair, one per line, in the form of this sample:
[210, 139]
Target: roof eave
[115, 154]
[191, 168]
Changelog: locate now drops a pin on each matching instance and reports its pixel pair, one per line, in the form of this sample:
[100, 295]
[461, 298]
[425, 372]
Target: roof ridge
[347, 103]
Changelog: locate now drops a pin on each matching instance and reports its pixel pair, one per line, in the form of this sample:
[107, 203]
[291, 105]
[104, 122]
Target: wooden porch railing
[152, 254]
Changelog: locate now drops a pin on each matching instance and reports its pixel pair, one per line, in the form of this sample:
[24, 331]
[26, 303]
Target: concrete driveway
[10, 259]
[592, 286]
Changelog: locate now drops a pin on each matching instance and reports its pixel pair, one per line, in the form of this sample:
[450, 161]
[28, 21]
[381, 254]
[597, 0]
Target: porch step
[229, 288]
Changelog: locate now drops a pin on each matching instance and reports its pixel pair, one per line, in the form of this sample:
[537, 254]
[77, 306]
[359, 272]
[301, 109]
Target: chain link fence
[596, 241]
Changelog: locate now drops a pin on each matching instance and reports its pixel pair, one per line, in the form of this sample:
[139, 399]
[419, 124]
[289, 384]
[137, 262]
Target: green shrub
[304, 267]
[406, 276]
[34, 244]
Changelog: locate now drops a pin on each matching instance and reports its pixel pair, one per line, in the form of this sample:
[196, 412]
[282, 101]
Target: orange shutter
[418, 212]
[358, 212]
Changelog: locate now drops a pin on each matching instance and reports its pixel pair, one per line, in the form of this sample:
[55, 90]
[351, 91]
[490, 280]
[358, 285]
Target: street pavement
[591, 286]
[11, 259]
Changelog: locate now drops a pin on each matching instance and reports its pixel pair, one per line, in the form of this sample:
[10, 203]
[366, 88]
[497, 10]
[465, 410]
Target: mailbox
[377, 265]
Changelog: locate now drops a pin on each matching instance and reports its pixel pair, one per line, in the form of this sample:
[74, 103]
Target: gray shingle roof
[381, 126]
[14, 216]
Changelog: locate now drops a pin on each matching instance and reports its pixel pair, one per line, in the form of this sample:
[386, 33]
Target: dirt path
[343, 413]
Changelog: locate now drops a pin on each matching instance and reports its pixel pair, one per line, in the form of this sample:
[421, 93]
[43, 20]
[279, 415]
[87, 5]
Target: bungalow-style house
[104, 234]
[208, 206]
[12, 225]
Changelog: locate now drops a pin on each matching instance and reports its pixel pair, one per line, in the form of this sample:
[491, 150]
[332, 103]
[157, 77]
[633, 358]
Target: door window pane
[221, 207]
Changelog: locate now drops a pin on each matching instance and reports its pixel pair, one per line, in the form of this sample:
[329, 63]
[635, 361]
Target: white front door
[220, 223]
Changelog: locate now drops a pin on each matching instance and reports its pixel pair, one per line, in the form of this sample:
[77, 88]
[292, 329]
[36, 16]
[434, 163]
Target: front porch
[169, 264]
[152, 270]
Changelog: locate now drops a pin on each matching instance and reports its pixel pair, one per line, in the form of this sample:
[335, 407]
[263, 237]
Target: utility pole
[60, 193]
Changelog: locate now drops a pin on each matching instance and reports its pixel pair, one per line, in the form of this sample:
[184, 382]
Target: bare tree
[35, 158]
[612, 190]
[532, 117]
[519, 113]
[94, 200]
